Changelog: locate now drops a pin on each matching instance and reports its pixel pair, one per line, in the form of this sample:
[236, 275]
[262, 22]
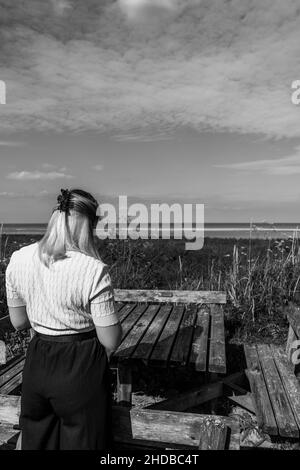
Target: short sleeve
[102, 303]
[14, 298]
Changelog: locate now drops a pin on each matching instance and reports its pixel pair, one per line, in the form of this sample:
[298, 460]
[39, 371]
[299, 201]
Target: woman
[61, 289]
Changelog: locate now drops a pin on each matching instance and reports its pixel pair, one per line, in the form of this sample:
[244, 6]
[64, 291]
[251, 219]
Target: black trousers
[66, 396]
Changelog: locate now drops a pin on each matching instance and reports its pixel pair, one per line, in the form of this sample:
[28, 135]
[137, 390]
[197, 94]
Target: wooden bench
[274, 385]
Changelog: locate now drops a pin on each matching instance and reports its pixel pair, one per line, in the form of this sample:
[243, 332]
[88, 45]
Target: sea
[210, 230]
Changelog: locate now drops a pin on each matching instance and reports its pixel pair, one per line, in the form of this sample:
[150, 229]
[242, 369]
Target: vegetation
[259, 276]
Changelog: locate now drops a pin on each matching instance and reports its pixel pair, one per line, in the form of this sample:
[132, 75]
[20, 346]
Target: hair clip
[64, 200]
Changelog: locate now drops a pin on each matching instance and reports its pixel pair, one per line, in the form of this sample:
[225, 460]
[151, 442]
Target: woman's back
[61, 298]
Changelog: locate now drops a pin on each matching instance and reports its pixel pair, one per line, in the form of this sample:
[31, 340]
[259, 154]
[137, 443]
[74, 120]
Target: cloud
[7, 143]
[114, 67]
[22, 195]
[289, 165]
[37, 175]
[98, 167]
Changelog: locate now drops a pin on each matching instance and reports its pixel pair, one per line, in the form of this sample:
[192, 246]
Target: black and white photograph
[149, 228]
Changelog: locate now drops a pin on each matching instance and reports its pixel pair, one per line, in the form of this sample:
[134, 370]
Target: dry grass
[259, 276]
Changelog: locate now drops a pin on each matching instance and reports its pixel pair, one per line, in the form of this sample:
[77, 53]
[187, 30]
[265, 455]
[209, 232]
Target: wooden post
[124, 384]
[2, 353]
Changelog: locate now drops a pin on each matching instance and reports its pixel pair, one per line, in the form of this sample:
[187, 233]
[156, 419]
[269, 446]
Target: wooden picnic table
[182, 329]
[169, 329]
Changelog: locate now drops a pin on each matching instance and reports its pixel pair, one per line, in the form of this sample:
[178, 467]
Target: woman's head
[71, 226]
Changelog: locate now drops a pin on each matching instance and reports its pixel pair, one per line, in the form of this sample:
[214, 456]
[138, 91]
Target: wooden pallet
[275, 390]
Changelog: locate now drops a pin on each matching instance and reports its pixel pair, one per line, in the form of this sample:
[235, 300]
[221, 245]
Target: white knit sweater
[72, 295]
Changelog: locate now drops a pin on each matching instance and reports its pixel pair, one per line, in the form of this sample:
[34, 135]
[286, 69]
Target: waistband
[67, 338]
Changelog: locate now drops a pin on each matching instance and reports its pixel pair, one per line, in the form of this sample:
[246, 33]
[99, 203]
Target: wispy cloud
[37, 175]
[289, 165]
[98, 167]
[116, 66]
[8, 143]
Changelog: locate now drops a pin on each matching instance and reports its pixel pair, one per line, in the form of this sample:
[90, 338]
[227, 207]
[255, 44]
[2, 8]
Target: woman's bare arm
[110, 337]
[18, 317]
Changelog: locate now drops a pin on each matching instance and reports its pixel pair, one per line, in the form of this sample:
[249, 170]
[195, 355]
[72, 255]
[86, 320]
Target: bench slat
[198, 356]
[163, 347]
[131, 341]
[283, 414]
[182, 345]
[176, 296]
[217, 358]
[264, 411]
[148, 342]
[289, 380]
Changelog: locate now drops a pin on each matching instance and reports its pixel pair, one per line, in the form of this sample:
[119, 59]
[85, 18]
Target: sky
[160, 100]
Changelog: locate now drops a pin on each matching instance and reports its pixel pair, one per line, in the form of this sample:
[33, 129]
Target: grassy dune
[259, 276]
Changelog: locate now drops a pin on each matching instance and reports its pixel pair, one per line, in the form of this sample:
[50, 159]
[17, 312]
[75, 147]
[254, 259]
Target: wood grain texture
[263, 408]
[133, 426]
[183, 342]
[124, 385]
[135, 335]
[212, 435]
[217, 357]
[174, 296]
[149, 340]
[199, 349]
[163, 347]
[11, 375]
[289, 381]
[293, 316]
[190, 399]
[287, 426]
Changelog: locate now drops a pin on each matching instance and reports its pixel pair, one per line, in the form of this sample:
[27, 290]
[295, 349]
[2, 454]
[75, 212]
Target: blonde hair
[71, 227]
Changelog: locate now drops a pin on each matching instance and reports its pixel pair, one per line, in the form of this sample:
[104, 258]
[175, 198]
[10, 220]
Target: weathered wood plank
[124, 385]
[131, 319]
[176, 296]
[290, 343]
[182, 345]
[125, 311]
[136, 333]
[199, 349]
[8, 437]
[133, 426]
[289, 381]
[263, 408]
[10, 372]
[148, 342]
[217, 357]
[282, 411]
[163, 347]
[213, 435]
[10, 407]
[160, 426]
[12, 384]
[293, 316]
[190, 399]
[235, 436]
[3, 356]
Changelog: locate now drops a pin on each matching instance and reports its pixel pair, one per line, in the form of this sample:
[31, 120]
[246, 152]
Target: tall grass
[259, 276]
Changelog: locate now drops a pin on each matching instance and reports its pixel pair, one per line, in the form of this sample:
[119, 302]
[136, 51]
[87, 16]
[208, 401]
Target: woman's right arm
[110, 337]
[103, 311]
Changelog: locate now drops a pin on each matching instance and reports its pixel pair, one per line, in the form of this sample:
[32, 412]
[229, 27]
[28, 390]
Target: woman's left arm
[18, 317]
